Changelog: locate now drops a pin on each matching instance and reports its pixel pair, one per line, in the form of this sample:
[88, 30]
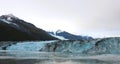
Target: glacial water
[29, 57]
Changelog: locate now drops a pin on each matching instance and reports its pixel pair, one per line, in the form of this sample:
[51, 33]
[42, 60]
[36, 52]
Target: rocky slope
[15, 29]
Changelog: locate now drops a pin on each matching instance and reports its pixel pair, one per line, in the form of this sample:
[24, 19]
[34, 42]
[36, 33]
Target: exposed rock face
[96, 46]
[15, 29]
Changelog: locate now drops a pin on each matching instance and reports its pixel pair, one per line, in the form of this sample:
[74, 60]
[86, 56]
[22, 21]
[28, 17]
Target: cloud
[87, 16]
[102, 14]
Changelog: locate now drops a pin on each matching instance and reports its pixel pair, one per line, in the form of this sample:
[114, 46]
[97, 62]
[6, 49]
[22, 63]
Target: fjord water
[29, 57]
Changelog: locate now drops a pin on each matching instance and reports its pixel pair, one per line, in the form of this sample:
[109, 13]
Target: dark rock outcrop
[15, 29]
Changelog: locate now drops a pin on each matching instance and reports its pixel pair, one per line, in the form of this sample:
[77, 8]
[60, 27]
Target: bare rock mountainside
[15, 29]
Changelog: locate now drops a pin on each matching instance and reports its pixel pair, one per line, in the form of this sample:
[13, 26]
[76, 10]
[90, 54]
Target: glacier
[29, 46]
[95, 46]
[96, 51]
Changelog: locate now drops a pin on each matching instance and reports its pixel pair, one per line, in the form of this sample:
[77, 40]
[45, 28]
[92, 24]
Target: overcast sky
[97, 18]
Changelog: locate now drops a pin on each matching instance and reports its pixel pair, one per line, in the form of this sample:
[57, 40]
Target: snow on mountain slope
[59, 37]
[6, 21]
[54, 34]
[68, 36]
[8, 18]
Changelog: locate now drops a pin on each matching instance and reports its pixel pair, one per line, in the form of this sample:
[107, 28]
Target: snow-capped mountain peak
[63, 35]
[54, 34]
[58, 31]
[9, 16]
[8, 19]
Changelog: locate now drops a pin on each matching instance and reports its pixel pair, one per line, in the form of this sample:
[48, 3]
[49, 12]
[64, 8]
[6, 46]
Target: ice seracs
[96, 46]
[29, 46]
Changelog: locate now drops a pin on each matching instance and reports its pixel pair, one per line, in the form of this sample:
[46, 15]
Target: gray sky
[97, 18]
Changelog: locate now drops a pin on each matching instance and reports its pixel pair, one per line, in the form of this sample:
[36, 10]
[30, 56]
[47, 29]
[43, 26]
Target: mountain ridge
[15, 29]
[69, 36]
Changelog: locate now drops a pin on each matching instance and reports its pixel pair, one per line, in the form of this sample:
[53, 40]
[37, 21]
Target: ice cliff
[95, 46]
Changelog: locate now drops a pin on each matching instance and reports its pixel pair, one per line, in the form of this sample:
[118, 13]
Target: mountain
[15, 29]
[63, 35]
